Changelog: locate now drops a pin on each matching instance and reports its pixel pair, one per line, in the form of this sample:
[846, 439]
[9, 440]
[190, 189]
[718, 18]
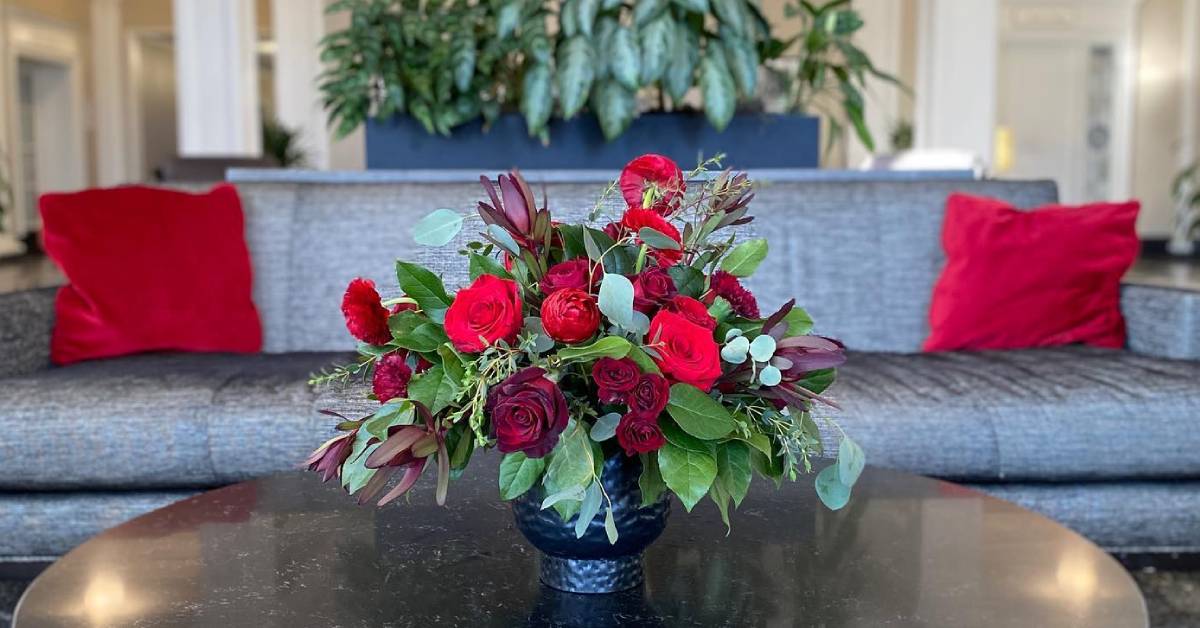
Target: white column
[1190, 68]
[298, 26]
[350, 152]
[216, 68]
[881, 39]
[108, 84]
[956, 75]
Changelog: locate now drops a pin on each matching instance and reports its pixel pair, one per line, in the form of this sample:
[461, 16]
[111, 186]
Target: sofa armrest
[1162, 322]
[26, 319]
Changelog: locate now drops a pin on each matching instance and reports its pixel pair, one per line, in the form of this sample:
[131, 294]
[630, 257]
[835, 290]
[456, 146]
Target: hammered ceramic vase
[590, 564]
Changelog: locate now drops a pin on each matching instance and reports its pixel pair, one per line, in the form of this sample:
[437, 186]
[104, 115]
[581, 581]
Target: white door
[49, 146]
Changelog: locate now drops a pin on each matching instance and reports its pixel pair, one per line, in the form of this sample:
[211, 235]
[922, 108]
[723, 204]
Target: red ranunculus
[657, 172]
[635, 219]
[528, 412]
[391, 376]
[615, 378]
[639, 434]
[366, 318]
[485, 313]
[686, 351]
[649, 397]
[692, 310]
[651, 289]
[570, 315]
[727, 286]
[577, 273]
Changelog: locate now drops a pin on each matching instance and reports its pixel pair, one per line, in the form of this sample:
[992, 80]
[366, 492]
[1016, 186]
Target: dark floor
[1173, 597]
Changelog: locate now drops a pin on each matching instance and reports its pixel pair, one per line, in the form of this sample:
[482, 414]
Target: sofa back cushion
[862, 256]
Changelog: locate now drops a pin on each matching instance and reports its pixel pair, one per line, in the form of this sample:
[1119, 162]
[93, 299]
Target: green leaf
[484, 265]
[615, 107]
[643, 360]
[452, 362]
[720, 497]
[433, 388]
[742, 59]
[818, 381]
[424, 287]
[504, 239]
[394, 412]
[833, 493]
[744, 259]
[437, 228]
[571, 493]
[572, 237]
[851, 461]
[575, 74]
[687, 473]
[758, 441]
[355, 473]
[614, 347]
[688, 281]
[681, 67]
[695, 6]
[537, 98]
[588, 509]
[616, 299]
[698, 414]
[733, 469]
[586, 15]
[650, 482]
[657, 240]
[571, 464]
[624, 60]
[416, 332]
[657, 39]
[464, 59]
[541, 342]
[508, 16]
[605, 427]
[610, 526]
[716, 86]
[730, 13]
[799, 322]
[646, 10]
[519, 473]
[768, 466]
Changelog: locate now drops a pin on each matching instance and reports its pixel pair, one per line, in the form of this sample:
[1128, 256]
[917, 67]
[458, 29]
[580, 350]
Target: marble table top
[290, 551]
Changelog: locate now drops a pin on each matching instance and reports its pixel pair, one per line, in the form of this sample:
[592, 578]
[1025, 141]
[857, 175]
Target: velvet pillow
[149, 270]
[1017, 279]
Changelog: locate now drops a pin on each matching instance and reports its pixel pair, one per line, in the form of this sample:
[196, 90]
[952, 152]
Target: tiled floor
[37, 271]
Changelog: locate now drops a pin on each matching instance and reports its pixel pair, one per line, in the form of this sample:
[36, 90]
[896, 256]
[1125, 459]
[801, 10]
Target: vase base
[603, 575]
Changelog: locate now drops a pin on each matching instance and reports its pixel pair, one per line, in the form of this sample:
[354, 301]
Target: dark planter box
[750, 141]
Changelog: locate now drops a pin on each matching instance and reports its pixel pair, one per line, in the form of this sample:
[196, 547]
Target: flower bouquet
[612, 367]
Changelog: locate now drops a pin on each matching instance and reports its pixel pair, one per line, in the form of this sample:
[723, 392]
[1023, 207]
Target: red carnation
[578, 273]
[651, 288]
[692, 310]
[686, 352]
[658, 174]
[486, 312]
[366, 318]
[391, 377]
[639, 435]
[649, 397]
[635, 219]
[570, 315]
[615, 378]
[528, 412]
[726, 286]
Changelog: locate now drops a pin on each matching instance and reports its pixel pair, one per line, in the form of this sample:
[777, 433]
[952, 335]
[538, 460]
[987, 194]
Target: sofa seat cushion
[159, 421]
[1054, 414]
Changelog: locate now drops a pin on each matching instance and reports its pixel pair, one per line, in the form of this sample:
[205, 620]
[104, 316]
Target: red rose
[578, 273]
[366, 318]
[686, 351]
[727, 286]
[615, 378]
[635, 219]
[391, 377]
[486, 312]
[654, 172]
[570, 315]
[639, 435]
[528, 412]
[649, 397]
[651, 288]
[692, 310]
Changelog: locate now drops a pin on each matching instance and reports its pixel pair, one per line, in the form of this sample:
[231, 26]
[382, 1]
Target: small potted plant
[614, 367]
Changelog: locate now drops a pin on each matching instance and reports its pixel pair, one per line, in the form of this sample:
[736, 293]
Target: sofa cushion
[1054, 414]
[159, 421]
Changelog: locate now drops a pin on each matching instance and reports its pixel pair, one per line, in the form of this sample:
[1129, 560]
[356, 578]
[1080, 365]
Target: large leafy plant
[448, 62]
[574, 344]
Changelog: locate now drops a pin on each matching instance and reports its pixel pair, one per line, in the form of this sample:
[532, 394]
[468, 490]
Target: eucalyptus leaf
[504, 239]
[610, 526]
[605, 427]
[830, 488]
[437, 228]
[770, 376]
[588, 509]
[851, 461]
[734, 351]
[616, 299]
[762, 348]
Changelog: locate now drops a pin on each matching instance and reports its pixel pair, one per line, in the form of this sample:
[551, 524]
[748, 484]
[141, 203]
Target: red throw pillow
[1016, 279]
[149, 270]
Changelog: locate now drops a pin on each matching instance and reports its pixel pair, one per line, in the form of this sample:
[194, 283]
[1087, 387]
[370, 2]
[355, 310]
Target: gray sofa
[1101, 440]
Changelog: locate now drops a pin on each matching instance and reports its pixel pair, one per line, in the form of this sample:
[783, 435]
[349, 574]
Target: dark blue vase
[591, 564]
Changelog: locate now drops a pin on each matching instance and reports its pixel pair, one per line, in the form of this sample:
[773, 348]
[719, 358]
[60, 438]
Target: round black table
[289, 551]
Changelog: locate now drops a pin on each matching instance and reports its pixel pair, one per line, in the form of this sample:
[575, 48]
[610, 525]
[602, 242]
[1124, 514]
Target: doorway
[48, 147]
